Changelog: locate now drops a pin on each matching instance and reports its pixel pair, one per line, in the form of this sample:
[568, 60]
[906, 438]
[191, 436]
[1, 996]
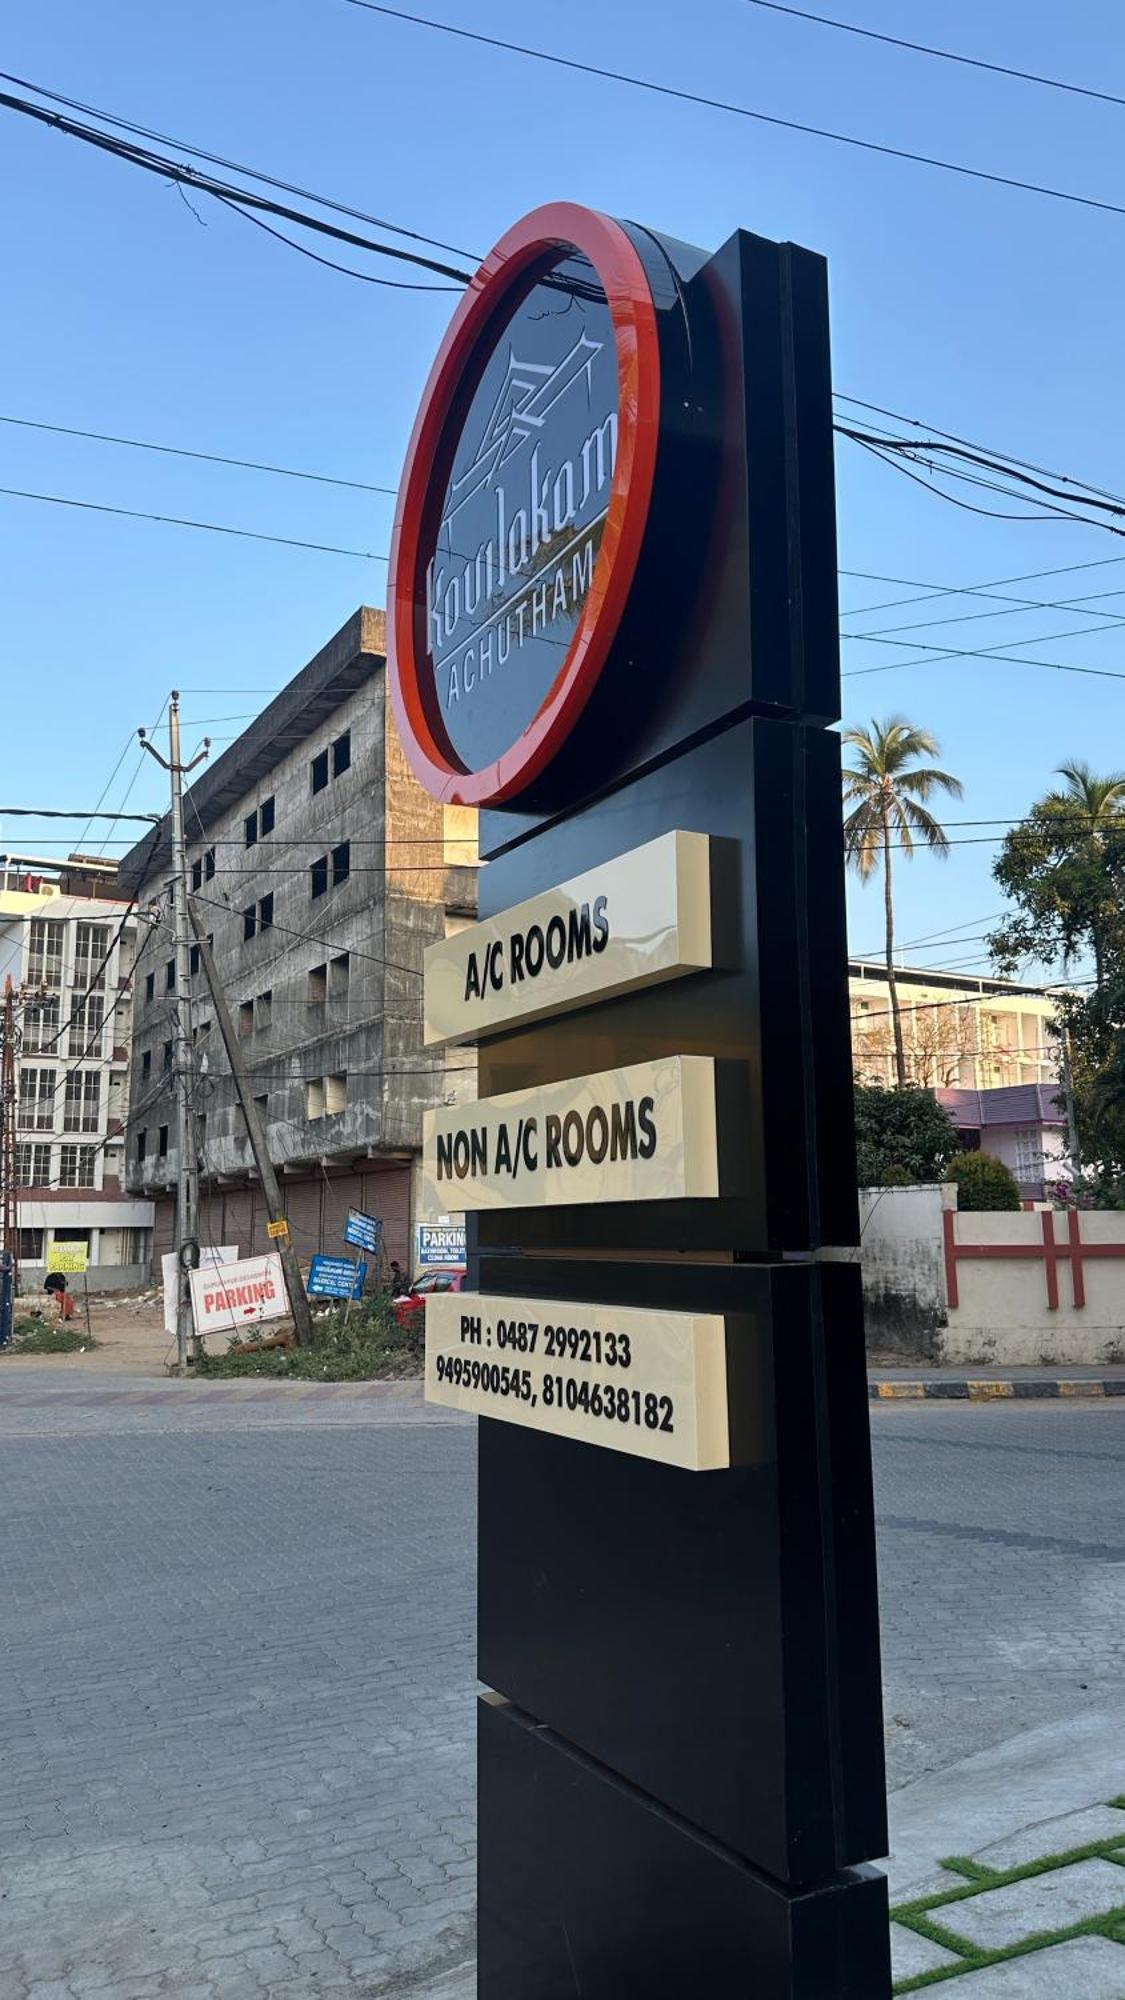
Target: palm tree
[887, 787]
[1089, 801]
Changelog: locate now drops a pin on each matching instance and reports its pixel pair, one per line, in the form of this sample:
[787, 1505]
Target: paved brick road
[236, 1693]
[236, 1675]
[1002, 1572]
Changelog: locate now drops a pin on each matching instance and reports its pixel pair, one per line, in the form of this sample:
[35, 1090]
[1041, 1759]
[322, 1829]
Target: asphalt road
[236, 1665]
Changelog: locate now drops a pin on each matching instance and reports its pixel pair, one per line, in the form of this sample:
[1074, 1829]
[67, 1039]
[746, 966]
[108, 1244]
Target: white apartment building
[68, 947]
[960, 1032]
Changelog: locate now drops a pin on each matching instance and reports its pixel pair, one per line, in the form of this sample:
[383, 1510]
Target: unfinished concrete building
[320, 870]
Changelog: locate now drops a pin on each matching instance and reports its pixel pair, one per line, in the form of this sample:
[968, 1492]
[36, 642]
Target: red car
[413, 1302]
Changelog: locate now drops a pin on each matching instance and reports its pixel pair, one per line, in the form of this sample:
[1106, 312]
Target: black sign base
[710, 1637]
[590, 1887]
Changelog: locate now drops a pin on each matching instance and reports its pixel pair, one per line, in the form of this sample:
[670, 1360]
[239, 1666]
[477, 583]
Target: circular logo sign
[523, 504]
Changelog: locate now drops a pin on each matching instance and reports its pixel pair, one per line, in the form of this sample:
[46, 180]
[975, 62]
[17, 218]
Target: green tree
[887, 787]
[1063, 868]
[1094, 1024]
[903, 1137]
[983, 1182]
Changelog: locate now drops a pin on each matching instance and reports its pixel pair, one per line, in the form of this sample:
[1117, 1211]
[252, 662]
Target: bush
[983, 1182]
[1095, 1188]
[902, 1137]
[371, 1346]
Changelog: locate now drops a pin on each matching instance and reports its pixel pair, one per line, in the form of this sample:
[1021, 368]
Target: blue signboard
[440, 1243]
[336, 1278]
[363, 1230]
[7, 1279]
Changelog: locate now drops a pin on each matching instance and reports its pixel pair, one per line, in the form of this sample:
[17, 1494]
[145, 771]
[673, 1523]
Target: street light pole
[187, 1159]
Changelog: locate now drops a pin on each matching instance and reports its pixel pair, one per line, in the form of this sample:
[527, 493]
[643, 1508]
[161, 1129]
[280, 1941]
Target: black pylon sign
[613, 628]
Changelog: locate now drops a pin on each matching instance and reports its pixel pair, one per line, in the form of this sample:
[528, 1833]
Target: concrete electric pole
[187, 1159]
[294, 1283]
[9, 1180]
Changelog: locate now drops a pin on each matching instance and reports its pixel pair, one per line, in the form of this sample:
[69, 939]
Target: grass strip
[974, 1960]
[918, 1915]
[973, 1871]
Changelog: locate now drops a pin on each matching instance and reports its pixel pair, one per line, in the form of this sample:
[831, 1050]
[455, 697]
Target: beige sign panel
[644, 1133]
[641, 918]
[653, 1384]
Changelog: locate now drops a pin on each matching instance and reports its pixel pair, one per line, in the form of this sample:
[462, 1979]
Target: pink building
[1023, 1124]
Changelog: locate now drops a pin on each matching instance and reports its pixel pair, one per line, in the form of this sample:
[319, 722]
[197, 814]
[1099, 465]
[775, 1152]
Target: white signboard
[439, 1244]
[638, 919]
[643, 1133]
[228, 1298]
[209, 1256]
[653, 1384]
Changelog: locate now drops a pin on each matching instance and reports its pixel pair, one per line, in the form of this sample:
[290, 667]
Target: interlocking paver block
[1000, 1917]
[911, 1954]
[192, 1717]
[1055, 1836]
[1084, 1969]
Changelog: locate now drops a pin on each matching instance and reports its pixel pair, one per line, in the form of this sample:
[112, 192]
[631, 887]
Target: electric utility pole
[255, 1131]
[187, 1158]
[1074, 1147]
[9, 1199]
[1066, 1078]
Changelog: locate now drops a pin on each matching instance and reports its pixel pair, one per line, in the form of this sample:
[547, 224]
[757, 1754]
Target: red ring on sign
[560, 226]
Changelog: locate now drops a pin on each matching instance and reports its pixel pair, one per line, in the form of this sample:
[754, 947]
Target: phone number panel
[650, 1383]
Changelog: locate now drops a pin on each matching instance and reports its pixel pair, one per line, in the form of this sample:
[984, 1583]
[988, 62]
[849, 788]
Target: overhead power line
[235, 166]
[650, 84]
[310, 937]
[928, 448]
[894, 452]
[929, 591]
[181, 521]
[968, 653]
[943, 55]
[1013, 607]
[209, 184]
[954, 437]
[56, 812]
[207, 457]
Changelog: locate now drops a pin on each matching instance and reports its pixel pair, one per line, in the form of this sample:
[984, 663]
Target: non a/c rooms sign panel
[652, 1384]
[648, 1132]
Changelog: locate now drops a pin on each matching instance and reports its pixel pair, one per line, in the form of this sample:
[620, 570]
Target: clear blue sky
[993, 313]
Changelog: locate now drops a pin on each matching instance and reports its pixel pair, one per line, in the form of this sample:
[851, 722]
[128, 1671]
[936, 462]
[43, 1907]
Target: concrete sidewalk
[1007, 1870]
